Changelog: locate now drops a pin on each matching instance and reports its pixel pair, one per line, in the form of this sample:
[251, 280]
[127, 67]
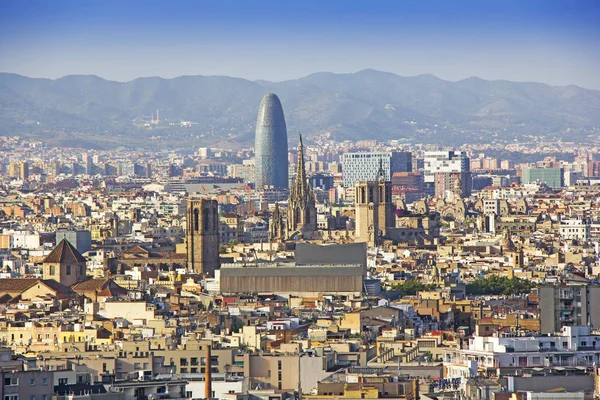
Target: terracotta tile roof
[136, 250]
[16, 285]
[19, 285]
[58, 287]
[64, 252]
[102, 286]
[91, 284]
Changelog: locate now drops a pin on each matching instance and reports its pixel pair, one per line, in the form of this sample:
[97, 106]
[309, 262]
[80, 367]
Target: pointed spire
[300, 187]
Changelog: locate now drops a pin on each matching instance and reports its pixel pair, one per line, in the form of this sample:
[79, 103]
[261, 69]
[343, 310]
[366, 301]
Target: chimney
[207, 377]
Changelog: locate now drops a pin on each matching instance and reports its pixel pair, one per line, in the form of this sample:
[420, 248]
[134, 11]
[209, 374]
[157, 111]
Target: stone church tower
[202, 236]
[65, 264]
[375, 212]
[302, 211]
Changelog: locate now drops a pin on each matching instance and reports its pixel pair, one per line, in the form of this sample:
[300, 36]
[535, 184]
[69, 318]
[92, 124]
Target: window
[32, 381]
[11, 381]
[68, 270]
[11, 397]
[44, 397]
[44, 381]
[62, 381]
[32, 397]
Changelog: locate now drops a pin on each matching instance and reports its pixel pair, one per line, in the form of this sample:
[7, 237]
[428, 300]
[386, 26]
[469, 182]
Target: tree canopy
[498, 285]
[410, 287]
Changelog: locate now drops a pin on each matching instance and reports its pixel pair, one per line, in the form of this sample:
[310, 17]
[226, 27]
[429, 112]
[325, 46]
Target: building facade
[444, 161]
[365, 166]
[553, 177]
[568, 305]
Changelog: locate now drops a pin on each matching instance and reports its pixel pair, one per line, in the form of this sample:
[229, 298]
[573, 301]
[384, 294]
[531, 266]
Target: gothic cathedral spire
[302, 211]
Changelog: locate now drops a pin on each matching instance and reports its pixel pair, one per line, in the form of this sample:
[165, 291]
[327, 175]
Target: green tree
[410, 287]
[499, 285]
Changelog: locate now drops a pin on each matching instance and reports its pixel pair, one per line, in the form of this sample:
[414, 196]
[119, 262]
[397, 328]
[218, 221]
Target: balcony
[565, 294]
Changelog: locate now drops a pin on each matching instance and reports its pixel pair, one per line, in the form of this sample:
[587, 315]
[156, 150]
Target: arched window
[196, 222]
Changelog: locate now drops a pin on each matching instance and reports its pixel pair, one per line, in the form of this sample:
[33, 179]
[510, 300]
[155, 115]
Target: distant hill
[89, 111]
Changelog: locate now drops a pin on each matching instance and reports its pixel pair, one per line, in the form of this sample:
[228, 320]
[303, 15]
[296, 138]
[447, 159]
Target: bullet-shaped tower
[271, 145]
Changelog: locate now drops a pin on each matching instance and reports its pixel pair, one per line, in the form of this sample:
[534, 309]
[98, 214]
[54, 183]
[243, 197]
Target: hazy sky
[551, 41]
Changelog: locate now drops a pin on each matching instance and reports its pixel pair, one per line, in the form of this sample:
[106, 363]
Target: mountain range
[88, 111]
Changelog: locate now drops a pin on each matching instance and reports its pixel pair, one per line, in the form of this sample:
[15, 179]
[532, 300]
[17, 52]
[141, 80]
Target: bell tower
[202, 236]
[375, 212]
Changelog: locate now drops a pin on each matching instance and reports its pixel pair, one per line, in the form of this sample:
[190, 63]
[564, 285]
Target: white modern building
[574, 229]
[572, 346]
[444, 161]
[365, 166]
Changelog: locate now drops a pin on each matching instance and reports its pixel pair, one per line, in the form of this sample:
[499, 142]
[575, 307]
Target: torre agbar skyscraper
[271, 145]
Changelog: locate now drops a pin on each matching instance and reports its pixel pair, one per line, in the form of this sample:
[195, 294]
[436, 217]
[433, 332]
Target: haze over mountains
[367, 104]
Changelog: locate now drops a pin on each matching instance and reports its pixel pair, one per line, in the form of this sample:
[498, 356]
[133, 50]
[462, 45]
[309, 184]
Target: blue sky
[551, 41]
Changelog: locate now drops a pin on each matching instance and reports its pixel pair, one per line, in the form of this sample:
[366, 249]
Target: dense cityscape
[317, 270]
[287, 200]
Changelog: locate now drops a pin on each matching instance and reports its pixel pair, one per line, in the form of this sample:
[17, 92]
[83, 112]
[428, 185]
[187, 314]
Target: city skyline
[550, 42]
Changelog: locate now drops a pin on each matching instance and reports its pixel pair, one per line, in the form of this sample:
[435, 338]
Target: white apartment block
[572, 346]
[574, 229]
[444, 161]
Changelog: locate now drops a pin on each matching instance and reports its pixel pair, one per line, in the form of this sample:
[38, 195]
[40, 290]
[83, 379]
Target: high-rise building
[452, 185]
[365, 166]
[407, 180]
[302, 211]
[593, 169]
[449, 162]
[568, 305]
[444, 161]
[202, 236]
[271, 145]
[553, 177]
[19, 170]
[24, 171]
